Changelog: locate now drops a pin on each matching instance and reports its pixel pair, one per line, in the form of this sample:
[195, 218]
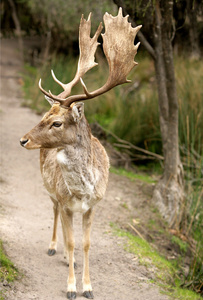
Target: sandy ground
[26, 215]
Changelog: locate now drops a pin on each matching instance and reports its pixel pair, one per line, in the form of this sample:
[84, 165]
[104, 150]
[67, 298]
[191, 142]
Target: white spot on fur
[72, 287]
[79, 205]
[85, 207]
[61, 157]
[53, 245]
[87, 287]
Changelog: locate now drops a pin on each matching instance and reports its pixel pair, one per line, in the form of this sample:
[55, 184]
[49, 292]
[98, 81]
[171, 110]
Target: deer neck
[76, 163]
[76, 154]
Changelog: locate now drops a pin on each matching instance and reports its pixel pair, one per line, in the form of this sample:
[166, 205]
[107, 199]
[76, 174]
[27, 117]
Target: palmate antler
[119, 49]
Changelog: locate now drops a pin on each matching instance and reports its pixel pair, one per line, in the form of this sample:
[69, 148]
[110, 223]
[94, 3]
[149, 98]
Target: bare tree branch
[157, 156]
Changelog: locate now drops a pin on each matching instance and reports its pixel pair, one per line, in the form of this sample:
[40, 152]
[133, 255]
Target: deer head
[58, 127]
[66, 116]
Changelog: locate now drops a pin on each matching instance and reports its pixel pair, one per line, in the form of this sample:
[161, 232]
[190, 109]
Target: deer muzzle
[23, 142]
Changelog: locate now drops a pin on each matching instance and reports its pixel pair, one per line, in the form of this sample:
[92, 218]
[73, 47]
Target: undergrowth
[188, 241]
[165, 273]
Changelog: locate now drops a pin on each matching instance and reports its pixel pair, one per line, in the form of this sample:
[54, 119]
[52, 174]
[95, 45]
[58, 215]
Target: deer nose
[23, 142]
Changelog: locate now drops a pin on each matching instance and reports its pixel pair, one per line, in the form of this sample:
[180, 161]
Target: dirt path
[26, 216]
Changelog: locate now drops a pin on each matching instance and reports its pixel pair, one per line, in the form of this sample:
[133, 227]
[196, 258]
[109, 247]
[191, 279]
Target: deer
[74, 164]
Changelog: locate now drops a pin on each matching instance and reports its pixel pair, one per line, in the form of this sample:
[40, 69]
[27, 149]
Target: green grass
[182, 245]
[183, 294]
[133, 176]
[124, 205]
[8, 271]
[165, 271]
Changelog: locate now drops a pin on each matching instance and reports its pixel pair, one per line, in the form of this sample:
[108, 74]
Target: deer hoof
[88, 294]
[51, 252]
[71, 295]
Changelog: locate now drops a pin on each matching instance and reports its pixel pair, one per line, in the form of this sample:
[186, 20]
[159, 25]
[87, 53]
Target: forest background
[129, 115]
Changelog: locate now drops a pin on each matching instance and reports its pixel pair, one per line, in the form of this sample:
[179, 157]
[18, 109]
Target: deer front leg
[53, 245]
[66, 256]
[87, 222]
[67, 223]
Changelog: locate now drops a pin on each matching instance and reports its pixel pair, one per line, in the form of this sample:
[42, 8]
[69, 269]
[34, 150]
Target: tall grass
[190, 91]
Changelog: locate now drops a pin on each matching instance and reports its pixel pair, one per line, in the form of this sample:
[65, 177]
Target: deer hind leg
[53, 244]
[87, 222]
[67, 224]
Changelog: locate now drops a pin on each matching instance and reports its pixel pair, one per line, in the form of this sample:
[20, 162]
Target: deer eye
[57, 124]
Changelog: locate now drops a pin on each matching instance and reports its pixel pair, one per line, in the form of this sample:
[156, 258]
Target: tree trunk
[161, 83]
[168, 194]
[192, 8]
[18, 28]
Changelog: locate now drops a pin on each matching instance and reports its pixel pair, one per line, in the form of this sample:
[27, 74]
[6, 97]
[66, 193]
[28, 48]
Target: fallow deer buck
[74, 165]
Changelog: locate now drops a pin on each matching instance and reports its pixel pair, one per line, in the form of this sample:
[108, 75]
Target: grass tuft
[182, 245]
[133, 176]
[8, 272]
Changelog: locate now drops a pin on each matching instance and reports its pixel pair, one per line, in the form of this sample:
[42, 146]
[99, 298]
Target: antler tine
[86, 61]
[43, 90]
[58, 81]
[48, 94]
[85, 88]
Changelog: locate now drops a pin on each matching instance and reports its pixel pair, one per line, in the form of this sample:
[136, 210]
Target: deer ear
[51, 101]
[77, 111]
